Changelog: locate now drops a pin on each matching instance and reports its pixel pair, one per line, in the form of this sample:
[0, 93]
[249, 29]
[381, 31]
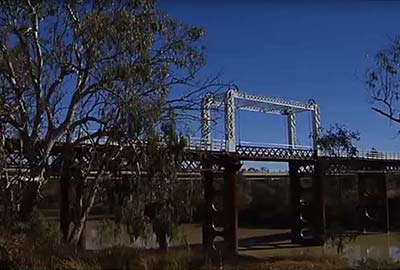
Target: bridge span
[255, 151]
[308, 167]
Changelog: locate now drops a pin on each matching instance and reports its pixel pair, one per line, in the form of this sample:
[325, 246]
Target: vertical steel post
[206, 121]
[319, 197]
[386, 203]
[295, 201]
[316, 122]
[208, 220]
[231, 169]
[230, 120]
[291, 117]
[361, 188]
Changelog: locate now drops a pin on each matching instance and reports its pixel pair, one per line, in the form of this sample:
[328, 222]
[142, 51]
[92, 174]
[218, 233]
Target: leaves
[101, 71]
[339, 141]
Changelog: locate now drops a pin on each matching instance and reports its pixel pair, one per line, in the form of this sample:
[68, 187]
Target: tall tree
[99, 73]
[339, 141]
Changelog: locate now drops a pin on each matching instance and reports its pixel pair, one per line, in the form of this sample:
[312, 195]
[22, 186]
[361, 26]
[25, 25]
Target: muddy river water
[258, 242]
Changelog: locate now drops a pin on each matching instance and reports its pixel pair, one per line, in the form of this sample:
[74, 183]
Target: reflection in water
[375, 246]
[256, 242]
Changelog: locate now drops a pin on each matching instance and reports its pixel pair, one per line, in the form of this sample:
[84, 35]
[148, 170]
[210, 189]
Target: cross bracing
[264, 104]
[233, 100]
[270, 105]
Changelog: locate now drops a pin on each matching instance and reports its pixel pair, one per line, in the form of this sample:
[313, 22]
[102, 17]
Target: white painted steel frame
[233, 100]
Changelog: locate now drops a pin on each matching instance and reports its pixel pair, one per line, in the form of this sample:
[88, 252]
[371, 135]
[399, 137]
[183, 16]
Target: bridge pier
[208, 228]
[229, 214]
[307, 201]
[373, 202]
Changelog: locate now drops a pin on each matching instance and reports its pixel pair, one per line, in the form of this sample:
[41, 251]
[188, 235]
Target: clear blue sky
[299, 51]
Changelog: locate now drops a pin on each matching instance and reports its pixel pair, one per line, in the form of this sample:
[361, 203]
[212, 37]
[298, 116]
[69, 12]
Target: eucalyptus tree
[99, 73]
[339, 141]
[383, 82]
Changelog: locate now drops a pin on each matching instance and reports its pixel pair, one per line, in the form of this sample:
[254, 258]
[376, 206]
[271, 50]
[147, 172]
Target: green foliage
[95, 70]
[101, 70]
[152, 200]
[339, 141]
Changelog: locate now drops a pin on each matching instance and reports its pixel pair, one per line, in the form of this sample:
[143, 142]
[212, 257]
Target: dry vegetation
[39, 249]
[63, 258]
[25, 252]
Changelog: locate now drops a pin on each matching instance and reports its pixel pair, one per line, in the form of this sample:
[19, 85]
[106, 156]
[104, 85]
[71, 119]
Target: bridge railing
[363, 154]
[196, 143]
[275, 145]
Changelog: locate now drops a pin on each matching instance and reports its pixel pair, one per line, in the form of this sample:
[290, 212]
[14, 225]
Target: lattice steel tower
[233, 100]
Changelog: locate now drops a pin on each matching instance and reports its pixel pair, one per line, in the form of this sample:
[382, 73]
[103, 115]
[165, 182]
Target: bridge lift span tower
[233, 100]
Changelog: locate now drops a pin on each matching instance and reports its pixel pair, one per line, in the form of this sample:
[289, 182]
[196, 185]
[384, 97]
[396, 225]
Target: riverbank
[259, 249]
[257, 242]
[123, 258]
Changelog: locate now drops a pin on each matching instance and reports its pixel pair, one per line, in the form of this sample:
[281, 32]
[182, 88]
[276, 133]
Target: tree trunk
[65, 185]
[79, 223]
[77, 231]
[29, 201]
[64, 204]
[162, 241]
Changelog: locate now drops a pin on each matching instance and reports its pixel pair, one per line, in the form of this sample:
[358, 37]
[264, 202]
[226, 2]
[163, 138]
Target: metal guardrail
[196, 143]
[219, 145]
[362, 154]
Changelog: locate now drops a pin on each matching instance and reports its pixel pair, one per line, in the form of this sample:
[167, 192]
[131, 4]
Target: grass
[43, 254]
[123, 258]
[41, 250]
[62, 257]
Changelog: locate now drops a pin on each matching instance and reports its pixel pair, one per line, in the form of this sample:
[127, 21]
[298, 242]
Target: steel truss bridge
[308, 167]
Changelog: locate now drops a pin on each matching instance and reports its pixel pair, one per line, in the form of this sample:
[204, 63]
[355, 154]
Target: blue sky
[298, 51]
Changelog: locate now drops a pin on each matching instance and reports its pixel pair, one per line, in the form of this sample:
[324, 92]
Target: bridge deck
[363, 160]
[284, 152]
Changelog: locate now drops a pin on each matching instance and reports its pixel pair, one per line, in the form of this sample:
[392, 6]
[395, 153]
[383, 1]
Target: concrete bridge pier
[228, 228]
[307, 201]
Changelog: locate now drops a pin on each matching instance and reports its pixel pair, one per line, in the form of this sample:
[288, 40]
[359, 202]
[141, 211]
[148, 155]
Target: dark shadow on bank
[267, 242]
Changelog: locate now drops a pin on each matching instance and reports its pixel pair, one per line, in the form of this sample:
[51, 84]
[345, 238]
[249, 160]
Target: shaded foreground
[122, 258]
[63, 258]
[40, 250]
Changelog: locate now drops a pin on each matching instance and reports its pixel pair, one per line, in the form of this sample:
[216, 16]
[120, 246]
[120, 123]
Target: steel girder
[271, 154]
[233, 100]
[291, 129]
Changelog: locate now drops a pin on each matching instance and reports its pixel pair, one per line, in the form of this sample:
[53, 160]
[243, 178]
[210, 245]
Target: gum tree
[97, 72]
[338, 141]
